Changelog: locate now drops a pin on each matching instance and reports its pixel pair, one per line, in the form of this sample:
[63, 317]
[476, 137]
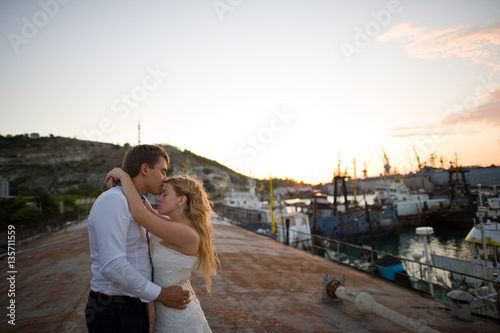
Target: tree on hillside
[48, 204]
[16, 210]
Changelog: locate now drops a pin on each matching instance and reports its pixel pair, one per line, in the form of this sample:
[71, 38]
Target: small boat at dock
[479, 277]
[247, 211]
[462, 207]
[346, 221]
[489, 205]
[410, 205]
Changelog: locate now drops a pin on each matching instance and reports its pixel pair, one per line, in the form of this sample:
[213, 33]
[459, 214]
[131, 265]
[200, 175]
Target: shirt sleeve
[112, 227]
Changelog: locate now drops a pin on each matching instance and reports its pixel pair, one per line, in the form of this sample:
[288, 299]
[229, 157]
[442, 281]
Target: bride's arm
[173, 232]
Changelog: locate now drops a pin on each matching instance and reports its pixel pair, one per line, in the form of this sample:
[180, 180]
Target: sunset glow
[264, 87]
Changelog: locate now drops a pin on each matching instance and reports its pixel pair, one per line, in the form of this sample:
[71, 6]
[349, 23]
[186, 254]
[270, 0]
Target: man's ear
[144, 169]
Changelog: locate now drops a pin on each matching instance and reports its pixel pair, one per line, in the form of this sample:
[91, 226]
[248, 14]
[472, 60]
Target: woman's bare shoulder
[183, 239]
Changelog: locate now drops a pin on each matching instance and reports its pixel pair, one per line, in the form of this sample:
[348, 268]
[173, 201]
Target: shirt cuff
[151, 292]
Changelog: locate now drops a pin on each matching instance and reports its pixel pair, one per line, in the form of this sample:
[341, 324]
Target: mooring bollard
[460, 304]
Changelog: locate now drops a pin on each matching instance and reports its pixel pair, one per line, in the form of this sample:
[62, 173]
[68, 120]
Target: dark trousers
[105, 315]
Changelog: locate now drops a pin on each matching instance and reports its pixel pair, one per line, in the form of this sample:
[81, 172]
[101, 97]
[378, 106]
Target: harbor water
[445, 241]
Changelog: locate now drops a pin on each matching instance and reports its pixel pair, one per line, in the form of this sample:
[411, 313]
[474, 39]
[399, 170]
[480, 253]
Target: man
[121, 283]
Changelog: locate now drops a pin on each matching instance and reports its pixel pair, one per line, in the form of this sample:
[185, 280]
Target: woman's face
[168, 201]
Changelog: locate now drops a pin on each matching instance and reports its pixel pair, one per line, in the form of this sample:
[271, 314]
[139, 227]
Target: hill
[58, 164]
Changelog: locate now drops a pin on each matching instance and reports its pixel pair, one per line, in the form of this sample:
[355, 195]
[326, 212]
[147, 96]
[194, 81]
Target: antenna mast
[139, 131]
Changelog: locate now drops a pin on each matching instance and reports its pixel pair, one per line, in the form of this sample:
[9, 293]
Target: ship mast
[355, 185]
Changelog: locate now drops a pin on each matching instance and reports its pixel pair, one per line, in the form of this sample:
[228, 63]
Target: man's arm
[112, 227]
[111, 224]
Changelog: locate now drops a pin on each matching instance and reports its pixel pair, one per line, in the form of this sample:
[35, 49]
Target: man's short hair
[135, 157]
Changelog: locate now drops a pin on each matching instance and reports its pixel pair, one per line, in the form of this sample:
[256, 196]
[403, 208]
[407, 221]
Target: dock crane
[387, 165]
[365, 167]
[385, 160]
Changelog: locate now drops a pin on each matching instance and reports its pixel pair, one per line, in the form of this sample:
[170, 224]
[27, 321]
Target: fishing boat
[479, 277]
[346, 221]
[489, 205]
[269, 218]
[462, 207]
[407, 203]
[472, 282]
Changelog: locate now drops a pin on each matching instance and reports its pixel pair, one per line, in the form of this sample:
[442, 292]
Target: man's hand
[174, 297]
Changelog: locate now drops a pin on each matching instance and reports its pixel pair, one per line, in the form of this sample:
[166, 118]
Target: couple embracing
[126, 273]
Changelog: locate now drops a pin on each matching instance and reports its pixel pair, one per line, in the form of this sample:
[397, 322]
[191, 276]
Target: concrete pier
[263, 286]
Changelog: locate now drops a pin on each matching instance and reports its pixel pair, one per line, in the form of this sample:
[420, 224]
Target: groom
[121, 283]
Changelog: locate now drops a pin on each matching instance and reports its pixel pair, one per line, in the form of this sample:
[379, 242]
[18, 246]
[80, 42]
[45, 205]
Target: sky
[282, 88]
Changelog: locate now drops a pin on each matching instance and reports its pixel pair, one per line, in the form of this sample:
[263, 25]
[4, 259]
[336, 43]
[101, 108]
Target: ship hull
[356, 224]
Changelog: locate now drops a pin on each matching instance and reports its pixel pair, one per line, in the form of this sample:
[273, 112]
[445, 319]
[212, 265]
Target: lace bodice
[172, 268]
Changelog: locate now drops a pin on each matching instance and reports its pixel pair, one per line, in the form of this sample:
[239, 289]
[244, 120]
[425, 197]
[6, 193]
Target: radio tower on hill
[139, 131]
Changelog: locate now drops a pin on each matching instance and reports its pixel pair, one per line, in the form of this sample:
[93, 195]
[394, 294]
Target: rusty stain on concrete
[263, 286]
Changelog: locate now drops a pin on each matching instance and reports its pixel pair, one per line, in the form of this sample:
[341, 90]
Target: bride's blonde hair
[198, 210]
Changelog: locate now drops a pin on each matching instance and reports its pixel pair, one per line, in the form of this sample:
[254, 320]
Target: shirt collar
[143, 198]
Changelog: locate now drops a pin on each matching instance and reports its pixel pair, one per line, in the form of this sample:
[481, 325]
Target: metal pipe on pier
[366, 304]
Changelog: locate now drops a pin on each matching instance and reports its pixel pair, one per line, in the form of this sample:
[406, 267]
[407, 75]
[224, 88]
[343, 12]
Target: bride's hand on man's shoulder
[113, 177]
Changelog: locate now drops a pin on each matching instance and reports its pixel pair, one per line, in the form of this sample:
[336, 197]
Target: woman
[184, 243]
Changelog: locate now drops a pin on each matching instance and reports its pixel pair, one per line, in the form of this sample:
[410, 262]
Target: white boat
[246, 200]
[489, 207]
[478, 276]
[250, 213]
[296, 225]
[484, 239]
[407, 203]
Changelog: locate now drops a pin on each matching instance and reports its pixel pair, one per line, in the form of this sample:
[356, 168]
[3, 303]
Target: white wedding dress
[172, 268]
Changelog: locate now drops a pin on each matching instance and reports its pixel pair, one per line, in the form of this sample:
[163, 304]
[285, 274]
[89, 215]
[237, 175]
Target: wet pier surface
[263, 286]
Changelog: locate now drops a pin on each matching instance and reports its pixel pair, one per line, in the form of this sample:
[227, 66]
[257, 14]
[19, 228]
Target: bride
[185, 244]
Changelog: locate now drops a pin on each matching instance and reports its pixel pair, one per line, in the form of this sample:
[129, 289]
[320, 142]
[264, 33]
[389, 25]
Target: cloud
[486, 114]
[477, 44]
[459, 120]
[431, 130]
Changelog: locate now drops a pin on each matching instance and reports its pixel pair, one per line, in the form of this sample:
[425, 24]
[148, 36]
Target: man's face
[157, 176]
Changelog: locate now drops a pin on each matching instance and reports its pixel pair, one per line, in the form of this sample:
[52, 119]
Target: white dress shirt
[119, 250]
